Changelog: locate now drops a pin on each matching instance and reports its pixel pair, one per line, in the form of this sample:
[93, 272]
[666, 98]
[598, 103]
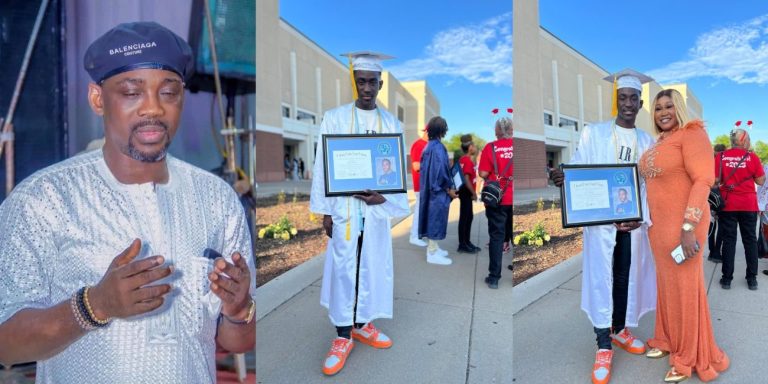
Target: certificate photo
[385, 175]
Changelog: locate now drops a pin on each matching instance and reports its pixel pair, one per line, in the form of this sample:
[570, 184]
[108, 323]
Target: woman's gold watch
[688, 227]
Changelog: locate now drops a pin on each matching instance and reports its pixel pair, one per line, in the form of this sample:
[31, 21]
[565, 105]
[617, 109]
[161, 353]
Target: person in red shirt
[741, 170]
[502, 150]
[416, 149]
[467, 195]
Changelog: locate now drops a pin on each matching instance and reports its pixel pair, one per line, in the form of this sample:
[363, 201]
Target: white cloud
[737, 52]
[479, 53]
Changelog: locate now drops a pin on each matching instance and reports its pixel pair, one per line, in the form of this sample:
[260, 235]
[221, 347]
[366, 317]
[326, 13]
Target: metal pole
[23, 72]
[251, 152]
[9, 168]
[215, 59]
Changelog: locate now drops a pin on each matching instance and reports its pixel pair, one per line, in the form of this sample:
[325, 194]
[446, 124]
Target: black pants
[497, 220]
[622, 258]
[465, 217]
[746, 222]
[508, 228]
[715, 239]
[346, 331]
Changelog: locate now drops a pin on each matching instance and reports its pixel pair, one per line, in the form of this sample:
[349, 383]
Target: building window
[286, 112]
[401, 114]
[305, 117]
[547, 119]
[565, 123]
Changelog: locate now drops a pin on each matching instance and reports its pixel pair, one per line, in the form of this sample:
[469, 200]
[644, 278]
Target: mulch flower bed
[530, 260]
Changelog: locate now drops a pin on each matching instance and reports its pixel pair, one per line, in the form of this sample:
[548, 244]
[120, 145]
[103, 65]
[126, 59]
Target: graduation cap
[364, 61]
[626, 78]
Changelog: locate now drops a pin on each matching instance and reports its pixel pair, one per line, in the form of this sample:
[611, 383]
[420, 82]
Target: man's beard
[147, 157]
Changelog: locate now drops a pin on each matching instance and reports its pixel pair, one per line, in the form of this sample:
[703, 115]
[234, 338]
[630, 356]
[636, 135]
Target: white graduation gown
[597, 146]
[376, 273]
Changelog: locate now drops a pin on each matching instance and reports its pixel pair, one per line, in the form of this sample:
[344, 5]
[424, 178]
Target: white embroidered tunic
[60, 230]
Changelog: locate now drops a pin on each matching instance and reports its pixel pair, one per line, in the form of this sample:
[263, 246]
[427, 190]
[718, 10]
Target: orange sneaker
[337, 356]
[626, 341]
[601, 371]
[368, 334]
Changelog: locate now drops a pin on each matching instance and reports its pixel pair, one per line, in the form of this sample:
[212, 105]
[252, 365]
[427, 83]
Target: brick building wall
[269, 157]
[530, 164]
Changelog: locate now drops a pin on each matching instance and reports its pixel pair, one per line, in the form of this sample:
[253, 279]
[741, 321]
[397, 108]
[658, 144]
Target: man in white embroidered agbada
[358, 276]
[619, 278]
[110, 265]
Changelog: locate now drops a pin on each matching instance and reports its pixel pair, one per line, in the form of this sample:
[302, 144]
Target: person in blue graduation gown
[437, 191]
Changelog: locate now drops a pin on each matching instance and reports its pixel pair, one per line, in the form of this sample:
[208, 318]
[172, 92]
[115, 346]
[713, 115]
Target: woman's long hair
[681, 110]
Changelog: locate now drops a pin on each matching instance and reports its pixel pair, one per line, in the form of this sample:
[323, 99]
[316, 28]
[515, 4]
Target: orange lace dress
[678, 172]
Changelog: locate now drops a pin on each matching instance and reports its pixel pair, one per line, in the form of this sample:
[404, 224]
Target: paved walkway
[554, 342]
[448, 326]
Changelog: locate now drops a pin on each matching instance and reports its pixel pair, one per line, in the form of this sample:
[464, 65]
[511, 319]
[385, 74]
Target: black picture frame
[355, 162]
[591, 194]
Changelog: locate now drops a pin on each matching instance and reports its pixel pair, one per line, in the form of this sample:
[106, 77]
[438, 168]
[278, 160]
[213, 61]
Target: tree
[761, 150]
[453, 144]
[722, 139]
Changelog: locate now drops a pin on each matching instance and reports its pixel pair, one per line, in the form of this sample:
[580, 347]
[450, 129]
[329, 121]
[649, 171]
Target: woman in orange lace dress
[678, 172]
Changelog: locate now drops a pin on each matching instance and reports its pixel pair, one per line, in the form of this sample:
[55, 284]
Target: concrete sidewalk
[448, 326]
[554, 342]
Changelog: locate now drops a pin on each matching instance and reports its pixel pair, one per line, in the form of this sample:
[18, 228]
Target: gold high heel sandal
[655, 353]
[674, 376]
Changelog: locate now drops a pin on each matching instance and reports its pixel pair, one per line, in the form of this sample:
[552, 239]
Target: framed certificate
[356, 162]
[594, 194]
[457, 175]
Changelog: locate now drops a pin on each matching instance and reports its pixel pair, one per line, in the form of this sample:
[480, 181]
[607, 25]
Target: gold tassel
[354, 87]
[614, 98]
[348, 233]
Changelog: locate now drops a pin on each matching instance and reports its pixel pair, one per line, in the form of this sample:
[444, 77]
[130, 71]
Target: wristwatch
[688, 227]
[248, 318]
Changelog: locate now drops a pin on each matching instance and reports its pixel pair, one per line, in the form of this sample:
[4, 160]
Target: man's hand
[231, 283]
[328, 225]
[125, 289]
[452, 194]
[371, 197]
[557, 177]
[627, 226]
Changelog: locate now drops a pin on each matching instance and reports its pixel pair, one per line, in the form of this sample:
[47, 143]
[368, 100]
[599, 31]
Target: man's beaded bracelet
[90, 309]
[83, 313]
[85, 325]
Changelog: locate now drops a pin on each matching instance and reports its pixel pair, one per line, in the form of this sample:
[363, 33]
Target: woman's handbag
[715, 199]
[492, 191]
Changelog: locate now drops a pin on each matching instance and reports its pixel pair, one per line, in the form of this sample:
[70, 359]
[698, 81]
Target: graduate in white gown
[358, 276]
[618, 274]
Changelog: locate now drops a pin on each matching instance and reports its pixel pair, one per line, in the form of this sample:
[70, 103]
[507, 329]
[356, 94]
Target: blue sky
[719, 48]
[463, 49]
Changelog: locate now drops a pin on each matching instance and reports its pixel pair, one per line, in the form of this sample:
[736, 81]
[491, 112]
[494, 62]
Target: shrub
[536, 236]
[283, 230]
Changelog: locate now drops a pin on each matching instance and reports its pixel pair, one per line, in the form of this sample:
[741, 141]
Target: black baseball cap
[138, 45]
